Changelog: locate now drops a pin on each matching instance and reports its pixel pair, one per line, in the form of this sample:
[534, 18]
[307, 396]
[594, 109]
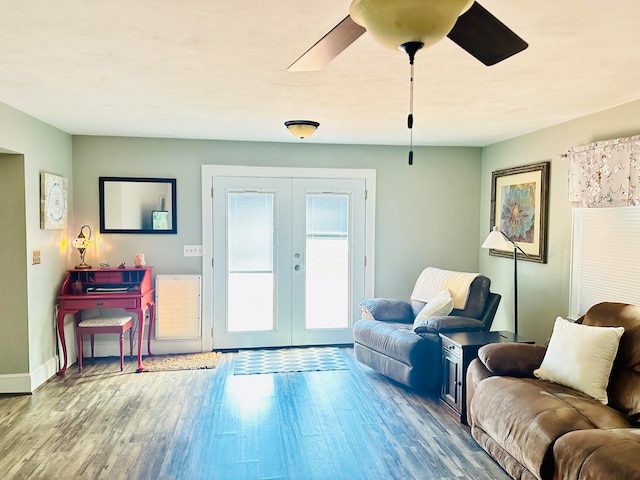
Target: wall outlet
[192, 250]
[35, 259]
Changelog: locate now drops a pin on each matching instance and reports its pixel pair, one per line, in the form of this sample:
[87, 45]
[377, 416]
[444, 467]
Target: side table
[458, 350]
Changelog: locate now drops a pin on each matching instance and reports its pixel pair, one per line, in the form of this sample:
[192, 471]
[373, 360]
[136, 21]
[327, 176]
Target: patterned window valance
[605, 174]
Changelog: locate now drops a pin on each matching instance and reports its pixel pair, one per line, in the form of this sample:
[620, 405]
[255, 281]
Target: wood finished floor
[209, 424]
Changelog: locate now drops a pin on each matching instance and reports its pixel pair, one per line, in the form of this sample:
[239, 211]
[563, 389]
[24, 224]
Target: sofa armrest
[476, 372]
[387, 310]
[511, 359]
[450, 324]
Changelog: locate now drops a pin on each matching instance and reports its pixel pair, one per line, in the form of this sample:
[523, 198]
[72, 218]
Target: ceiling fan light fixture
[394, 22]
[301, 128]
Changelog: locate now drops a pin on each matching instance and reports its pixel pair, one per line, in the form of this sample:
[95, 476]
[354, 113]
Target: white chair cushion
[104, 321]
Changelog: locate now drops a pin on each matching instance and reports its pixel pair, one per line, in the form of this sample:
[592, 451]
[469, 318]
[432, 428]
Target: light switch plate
[35, 259]
[192, 250]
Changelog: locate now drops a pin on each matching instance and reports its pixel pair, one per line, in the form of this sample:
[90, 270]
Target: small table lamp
[81, 242]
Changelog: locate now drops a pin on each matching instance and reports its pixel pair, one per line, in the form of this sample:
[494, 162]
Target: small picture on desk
[160, 220]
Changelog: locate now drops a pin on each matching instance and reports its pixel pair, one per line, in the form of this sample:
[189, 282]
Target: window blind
[605, 263]
[327, 215]
[251, 232]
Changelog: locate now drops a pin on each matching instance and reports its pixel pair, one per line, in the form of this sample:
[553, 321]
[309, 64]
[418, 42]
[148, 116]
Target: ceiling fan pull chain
[410, 117]
[411, 48]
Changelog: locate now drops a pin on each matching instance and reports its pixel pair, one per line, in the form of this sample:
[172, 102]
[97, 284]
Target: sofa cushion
[624, 384]
[581, 357]
[525, 416]
[598, 455]
[476, 293]
[514, 468]
[439, 306]
[477, 301]
[513, 359]
[387, 310]
[395, 340]
[450, 324]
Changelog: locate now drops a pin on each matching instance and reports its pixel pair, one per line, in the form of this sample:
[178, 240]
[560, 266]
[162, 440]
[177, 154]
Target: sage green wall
[543, 289]
[31, 288]
[427, 214]
[14, 357]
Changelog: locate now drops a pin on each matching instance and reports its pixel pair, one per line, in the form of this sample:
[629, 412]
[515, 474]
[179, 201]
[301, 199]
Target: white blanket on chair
[434, 280]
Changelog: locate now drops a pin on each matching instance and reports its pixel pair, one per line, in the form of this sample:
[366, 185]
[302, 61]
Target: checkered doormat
[308, 359]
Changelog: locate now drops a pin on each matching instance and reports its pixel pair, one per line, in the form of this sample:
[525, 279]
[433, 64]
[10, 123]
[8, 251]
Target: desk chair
[95, 325]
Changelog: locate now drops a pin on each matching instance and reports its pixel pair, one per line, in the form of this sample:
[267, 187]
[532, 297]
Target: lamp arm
[89, 237]
[514, 243]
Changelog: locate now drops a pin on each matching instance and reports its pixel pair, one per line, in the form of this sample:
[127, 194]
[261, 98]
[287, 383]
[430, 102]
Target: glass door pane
[250, 260]
[328, 256]
[327, 261]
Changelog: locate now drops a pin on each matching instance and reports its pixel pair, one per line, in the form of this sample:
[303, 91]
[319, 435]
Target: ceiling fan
[394, 23]
[411, 25]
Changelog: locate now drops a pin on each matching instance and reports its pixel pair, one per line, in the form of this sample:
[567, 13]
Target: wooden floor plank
[209, 424]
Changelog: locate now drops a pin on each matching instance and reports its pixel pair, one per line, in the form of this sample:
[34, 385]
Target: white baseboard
[44, 372]
[15, 383]
[176, 346]
[106, 348]
[28, 382]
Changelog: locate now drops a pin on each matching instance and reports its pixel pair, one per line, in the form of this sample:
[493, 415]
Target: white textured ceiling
[209, 69]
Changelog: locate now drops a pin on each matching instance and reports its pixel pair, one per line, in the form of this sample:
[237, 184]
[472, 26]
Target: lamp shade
[392, 23]
[81, 243]
[301, 128]
[496, 240]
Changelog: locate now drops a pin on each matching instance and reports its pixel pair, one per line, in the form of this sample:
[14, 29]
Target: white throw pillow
[439, 306]
[581, 357]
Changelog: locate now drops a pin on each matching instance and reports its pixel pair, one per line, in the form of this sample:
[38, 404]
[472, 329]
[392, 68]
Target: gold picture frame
[519, 208]
[53, 201]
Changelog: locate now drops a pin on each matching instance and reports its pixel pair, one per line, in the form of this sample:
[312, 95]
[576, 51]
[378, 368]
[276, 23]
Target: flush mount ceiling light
[301, 128]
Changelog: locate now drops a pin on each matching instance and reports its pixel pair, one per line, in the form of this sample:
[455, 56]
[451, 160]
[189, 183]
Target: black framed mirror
[137, 205]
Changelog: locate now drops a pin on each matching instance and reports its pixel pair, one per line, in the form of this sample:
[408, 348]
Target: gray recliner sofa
[385, 339]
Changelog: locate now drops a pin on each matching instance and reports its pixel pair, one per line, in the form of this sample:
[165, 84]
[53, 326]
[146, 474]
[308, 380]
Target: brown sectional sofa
[536, 429]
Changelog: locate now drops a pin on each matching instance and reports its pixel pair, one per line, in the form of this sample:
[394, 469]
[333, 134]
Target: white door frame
[210, 171]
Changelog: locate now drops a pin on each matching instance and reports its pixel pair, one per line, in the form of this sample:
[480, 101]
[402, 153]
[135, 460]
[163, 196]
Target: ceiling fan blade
[328, 47]
[485, 37]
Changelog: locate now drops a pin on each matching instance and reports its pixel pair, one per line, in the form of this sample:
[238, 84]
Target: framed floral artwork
[519, 208]
[53, 201]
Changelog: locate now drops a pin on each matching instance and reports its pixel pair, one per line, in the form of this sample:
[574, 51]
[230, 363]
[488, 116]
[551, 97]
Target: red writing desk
[99, 288]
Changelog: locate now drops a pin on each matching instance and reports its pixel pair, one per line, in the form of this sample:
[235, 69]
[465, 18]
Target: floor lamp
[499, 240]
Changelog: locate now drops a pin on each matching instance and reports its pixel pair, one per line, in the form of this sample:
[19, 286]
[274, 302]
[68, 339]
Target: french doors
[288, 260]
